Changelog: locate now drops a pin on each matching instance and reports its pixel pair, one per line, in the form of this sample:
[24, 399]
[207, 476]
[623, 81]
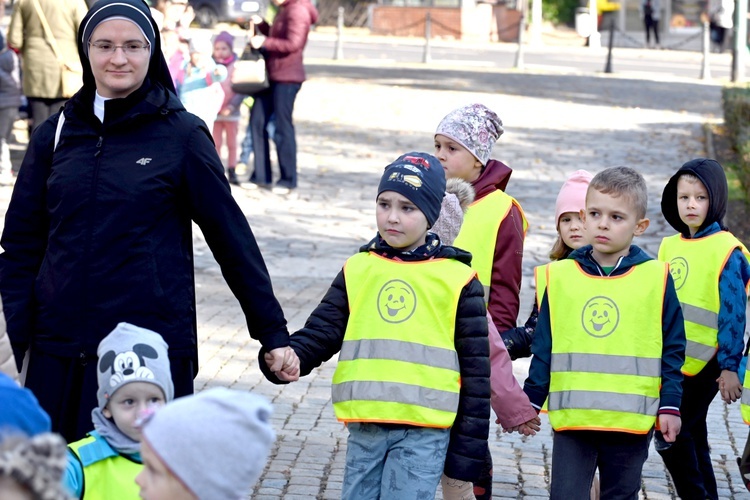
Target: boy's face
[156, 481]
[127, 403]
[692, 203]
[457, 161]
[570, 228]
[222, 51]
[610, 223]
[401, 224]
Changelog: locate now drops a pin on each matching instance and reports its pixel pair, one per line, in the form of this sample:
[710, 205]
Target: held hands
[256, 41]
[284, 363]
[670, 426]
[529, 428]
[729, 386]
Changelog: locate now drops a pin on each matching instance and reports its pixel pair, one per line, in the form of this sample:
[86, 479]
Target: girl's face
[570, 227]
[222, 51]
[457, 161]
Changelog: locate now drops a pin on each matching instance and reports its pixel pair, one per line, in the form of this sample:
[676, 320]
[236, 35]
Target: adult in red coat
[282, 43]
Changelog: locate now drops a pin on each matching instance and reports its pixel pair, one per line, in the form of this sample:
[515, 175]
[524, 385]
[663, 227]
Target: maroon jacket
[287, 37]
[505, 285]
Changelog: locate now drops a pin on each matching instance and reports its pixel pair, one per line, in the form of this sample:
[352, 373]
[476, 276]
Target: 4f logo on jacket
[143, 161]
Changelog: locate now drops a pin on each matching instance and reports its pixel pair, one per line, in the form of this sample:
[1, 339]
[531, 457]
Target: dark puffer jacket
[323, 335]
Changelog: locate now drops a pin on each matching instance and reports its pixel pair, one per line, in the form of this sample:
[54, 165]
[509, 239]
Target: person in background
[199, 86]
[106, 235]
[283, 43]
[212, 445]
[10, 101]
[227, 122]
[42, 70]
[651, 13]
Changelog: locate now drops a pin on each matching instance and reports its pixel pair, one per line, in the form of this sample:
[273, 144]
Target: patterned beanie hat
[420, 178]
[132, 354]
[36, 463]
[476, 127]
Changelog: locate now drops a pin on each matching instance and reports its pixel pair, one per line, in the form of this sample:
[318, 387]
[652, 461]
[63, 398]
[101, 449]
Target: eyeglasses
[130, 48]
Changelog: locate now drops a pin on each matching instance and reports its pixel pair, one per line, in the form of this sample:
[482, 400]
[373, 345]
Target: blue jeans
[247, 142]
[393, 462]
[618, 455]
[277, 100]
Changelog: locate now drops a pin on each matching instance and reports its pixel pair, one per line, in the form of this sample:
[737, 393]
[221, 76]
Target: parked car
[210, 12]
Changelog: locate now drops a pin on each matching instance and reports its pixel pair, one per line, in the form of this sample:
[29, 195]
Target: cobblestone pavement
[354, 119]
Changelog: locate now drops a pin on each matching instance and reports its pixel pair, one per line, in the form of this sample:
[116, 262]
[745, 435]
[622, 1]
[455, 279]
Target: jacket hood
[158, 71]
[432, 249]
[585, 258]
[496, 175]
[711, 174]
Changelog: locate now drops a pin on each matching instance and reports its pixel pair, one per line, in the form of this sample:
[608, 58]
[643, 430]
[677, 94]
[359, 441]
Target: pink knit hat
[572, 196]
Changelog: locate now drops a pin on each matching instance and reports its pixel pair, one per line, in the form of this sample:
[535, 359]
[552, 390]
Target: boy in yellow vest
[608, 347]
[407, 317]
[134, 379]
[710, 274]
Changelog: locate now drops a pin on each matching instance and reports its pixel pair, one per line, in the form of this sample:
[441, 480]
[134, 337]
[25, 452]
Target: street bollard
[608, 66]
[705, 66]
[427, 57]
[519, 54]
[339, 54]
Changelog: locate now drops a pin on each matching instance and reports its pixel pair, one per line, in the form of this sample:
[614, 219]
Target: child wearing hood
[134, 380]
[197, 85]
[710, 270]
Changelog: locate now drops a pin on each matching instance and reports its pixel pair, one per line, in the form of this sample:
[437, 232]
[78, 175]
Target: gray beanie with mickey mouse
[132, 354]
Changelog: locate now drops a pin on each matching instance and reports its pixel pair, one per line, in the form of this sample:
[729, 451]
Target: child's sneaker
[744, 472]
[232, 176]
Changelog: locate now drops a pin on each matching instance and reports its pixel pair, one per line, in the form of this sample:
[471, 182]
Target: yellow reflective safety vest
[745, 400]
[605, 370]
[540, 278]
[478, 233]
[696, 266]
[106, 473]
[398, 362]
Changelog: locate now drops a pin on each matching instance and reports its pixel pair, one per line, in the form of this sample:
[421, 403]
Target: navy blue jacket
[673, 336]
[323, 334]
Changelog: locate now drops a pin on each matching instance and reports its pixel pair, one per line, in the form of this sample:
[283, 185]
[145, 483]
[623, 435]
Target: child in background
[211, 445]
[134, 378]
[710, 274]
[412, 380]
[608, 347]
[571, 200]
[494, 228]
[10, 100]
[511, 405]
[198, 86]
[228, 120]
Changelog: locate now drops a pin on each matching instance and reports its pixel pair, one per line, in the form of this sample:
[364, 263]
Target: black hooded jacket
[323, 335]
[100, 231]
[712, 175]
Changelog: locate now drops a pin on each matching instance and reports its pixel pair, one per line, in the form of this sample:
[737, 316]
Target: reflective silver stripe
[700, 316]
[395, 392]
[699, 351]
[745, 396]
[486, 294]
[610, 401]
[396, 350]
[605, 363]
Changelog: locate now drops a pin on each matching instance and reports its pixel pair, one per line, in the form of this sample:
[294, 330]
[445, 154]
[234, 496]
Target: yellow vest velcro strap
[700, 316]
[745, 396]
[486, 294]
[605, 363]
[611, 401]
[397, 350]
[395, 392]
[699, 351]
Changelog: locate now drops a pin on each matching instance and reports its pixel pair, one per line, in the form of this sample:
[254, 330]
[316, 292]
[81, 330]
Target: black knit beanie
[420, 178]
